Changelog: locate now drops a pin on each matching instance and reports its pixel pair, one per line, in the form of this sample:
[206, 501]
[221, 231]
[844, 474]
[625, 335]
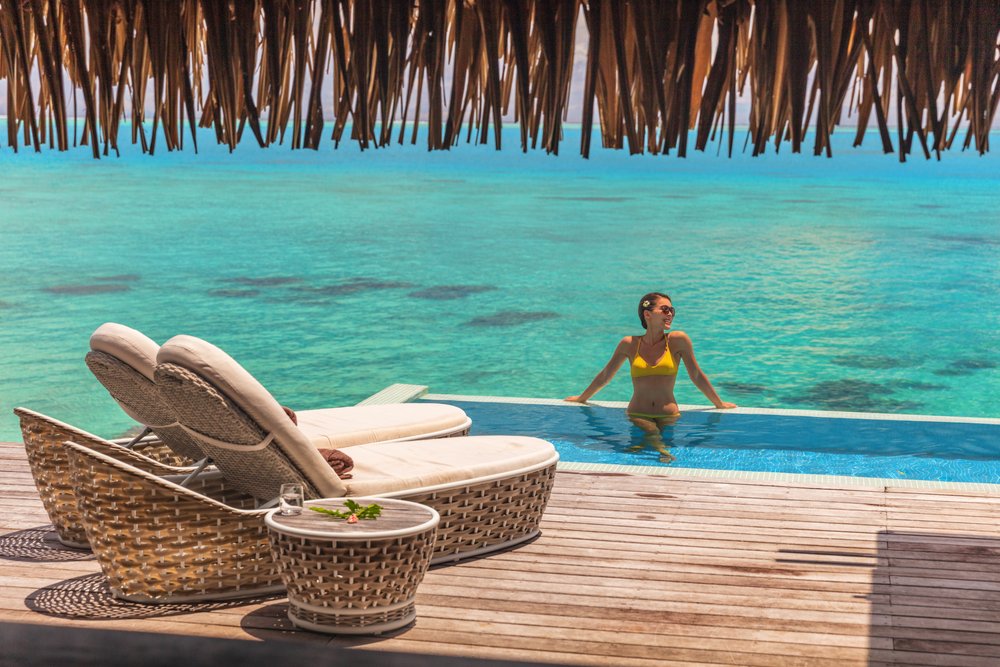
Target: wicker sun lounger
[157, 541]
[160, 542]
[44, 442]
[490, 490]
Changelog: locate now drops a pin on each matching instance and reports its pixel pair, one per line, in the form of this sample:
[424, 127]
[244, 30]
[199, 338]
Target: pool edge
[393, 393]
[829, 414]
[843, 481]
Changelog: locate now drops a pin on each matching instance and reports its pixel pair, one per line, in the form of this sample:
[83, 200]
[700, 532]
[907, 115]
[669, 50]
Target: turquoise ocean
[853, 283]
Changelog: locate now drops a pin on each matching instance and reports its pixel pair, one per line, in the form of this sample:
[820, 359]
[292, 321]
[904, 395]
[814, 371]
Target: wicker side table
[356, 578]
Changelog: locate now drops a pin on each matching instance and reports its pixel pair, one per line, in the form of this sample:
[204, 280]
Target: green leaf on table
[372, 511]
[352, 505]
[369, 512]
[333, 513]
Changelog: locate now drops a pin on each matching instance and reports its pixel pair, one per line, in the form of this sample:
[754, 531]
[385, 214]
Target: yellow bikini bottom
[644, 415]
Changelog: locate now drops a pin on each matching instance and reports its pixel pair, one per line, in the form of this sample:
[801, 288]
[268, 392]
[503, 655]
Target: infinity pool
[815, 443]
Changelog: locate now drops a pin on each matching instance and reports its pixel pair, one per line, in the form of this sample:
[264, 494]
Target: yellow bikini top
[664, 365]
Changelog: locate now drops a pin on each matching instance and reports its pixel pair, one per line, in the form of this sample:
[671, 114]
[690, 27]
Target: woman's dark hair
[646, 303]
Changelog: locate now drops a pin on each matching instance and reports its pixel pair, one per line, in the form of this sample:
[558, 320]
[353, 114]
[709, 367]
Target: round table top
[399, 517]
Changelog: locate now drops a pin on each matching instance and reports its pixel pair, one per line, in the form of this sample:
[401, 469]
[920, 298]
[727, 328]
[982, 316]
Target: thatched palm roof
[654, 69]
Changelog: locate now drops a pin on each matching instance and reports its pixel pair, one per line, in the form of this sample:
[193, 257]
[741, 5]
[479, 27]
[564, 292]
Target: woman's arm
[700, 380]
[608, 372]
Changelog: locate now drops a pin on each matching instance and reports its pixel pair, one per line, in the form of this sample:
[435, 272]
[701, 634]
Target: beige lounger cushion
[396, 466]
[134, 348]
[227, 376]
[343, 427]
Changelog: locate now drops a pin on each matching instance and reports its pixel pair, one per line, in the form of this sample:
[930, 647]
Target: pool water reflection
[723, 440]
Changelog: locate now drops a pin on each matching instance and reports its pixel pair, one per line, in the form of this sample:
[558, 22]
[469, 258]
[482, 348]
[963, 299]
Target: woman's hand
[575, 399]
[725, 406]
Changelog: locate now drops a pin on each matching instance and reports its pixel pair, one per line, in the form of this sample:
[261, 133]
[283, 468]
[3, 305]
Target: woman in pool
[654, 359]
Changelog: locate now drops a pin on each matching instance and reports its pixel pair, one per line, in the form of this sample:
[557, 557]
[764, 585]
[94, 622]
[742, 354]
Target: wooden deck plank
[629, 570]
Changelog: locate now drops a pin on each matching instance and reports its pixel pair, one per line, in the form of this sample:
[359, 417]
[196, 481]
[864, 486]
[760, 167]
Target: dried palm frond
[656, 72]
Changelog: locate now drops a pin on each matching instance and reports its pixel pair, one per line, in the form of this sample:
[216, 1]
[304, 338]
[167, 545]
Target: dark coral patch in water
[743, 387]
[354, 286]
[961, 367]
[5, 304]
[852, 395]
[82, 290]
[974, 364]
[953, 372]
[916, 385]
[510, 318]
[235, 293]
[121, 278]
[870, 362]
[449, 292]
[269, 281]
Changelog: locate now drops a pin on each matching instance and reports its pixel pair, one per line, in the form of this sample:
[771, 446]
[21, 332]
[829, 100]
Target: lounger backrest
[40, 430]
[238, 423]
[123, 360]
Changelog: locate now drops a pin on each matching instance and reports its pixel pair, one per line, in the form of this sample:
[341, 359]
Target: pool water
[859, 446]
[853, 283]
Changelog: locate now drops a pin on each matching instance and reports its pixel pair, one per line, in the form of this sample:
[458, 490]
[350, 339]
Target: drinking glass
[290, 500]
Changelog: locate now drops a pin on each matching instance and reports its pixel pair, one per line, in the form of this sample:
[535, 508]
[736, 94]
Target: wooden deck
[629, 570]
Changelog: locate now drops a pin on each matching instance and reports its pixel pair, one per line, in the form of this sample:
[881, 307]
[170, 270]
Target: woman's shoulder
[628, 342]
[678, 337]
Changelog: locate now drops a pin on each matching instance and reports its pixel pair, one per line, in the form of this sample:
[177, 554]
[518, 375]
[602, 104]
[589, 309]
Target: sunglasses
[666, 310]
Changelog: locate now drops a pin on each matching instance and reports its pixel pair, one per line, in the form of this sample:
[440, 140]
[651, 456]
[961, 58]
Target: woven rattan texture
[161, 453]
[335, 620]
[220, 489]
[44, 440]
[49, 464]
[133, 389]
[202, 408]
[352, 575]
[158, 543]
[489, 514]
